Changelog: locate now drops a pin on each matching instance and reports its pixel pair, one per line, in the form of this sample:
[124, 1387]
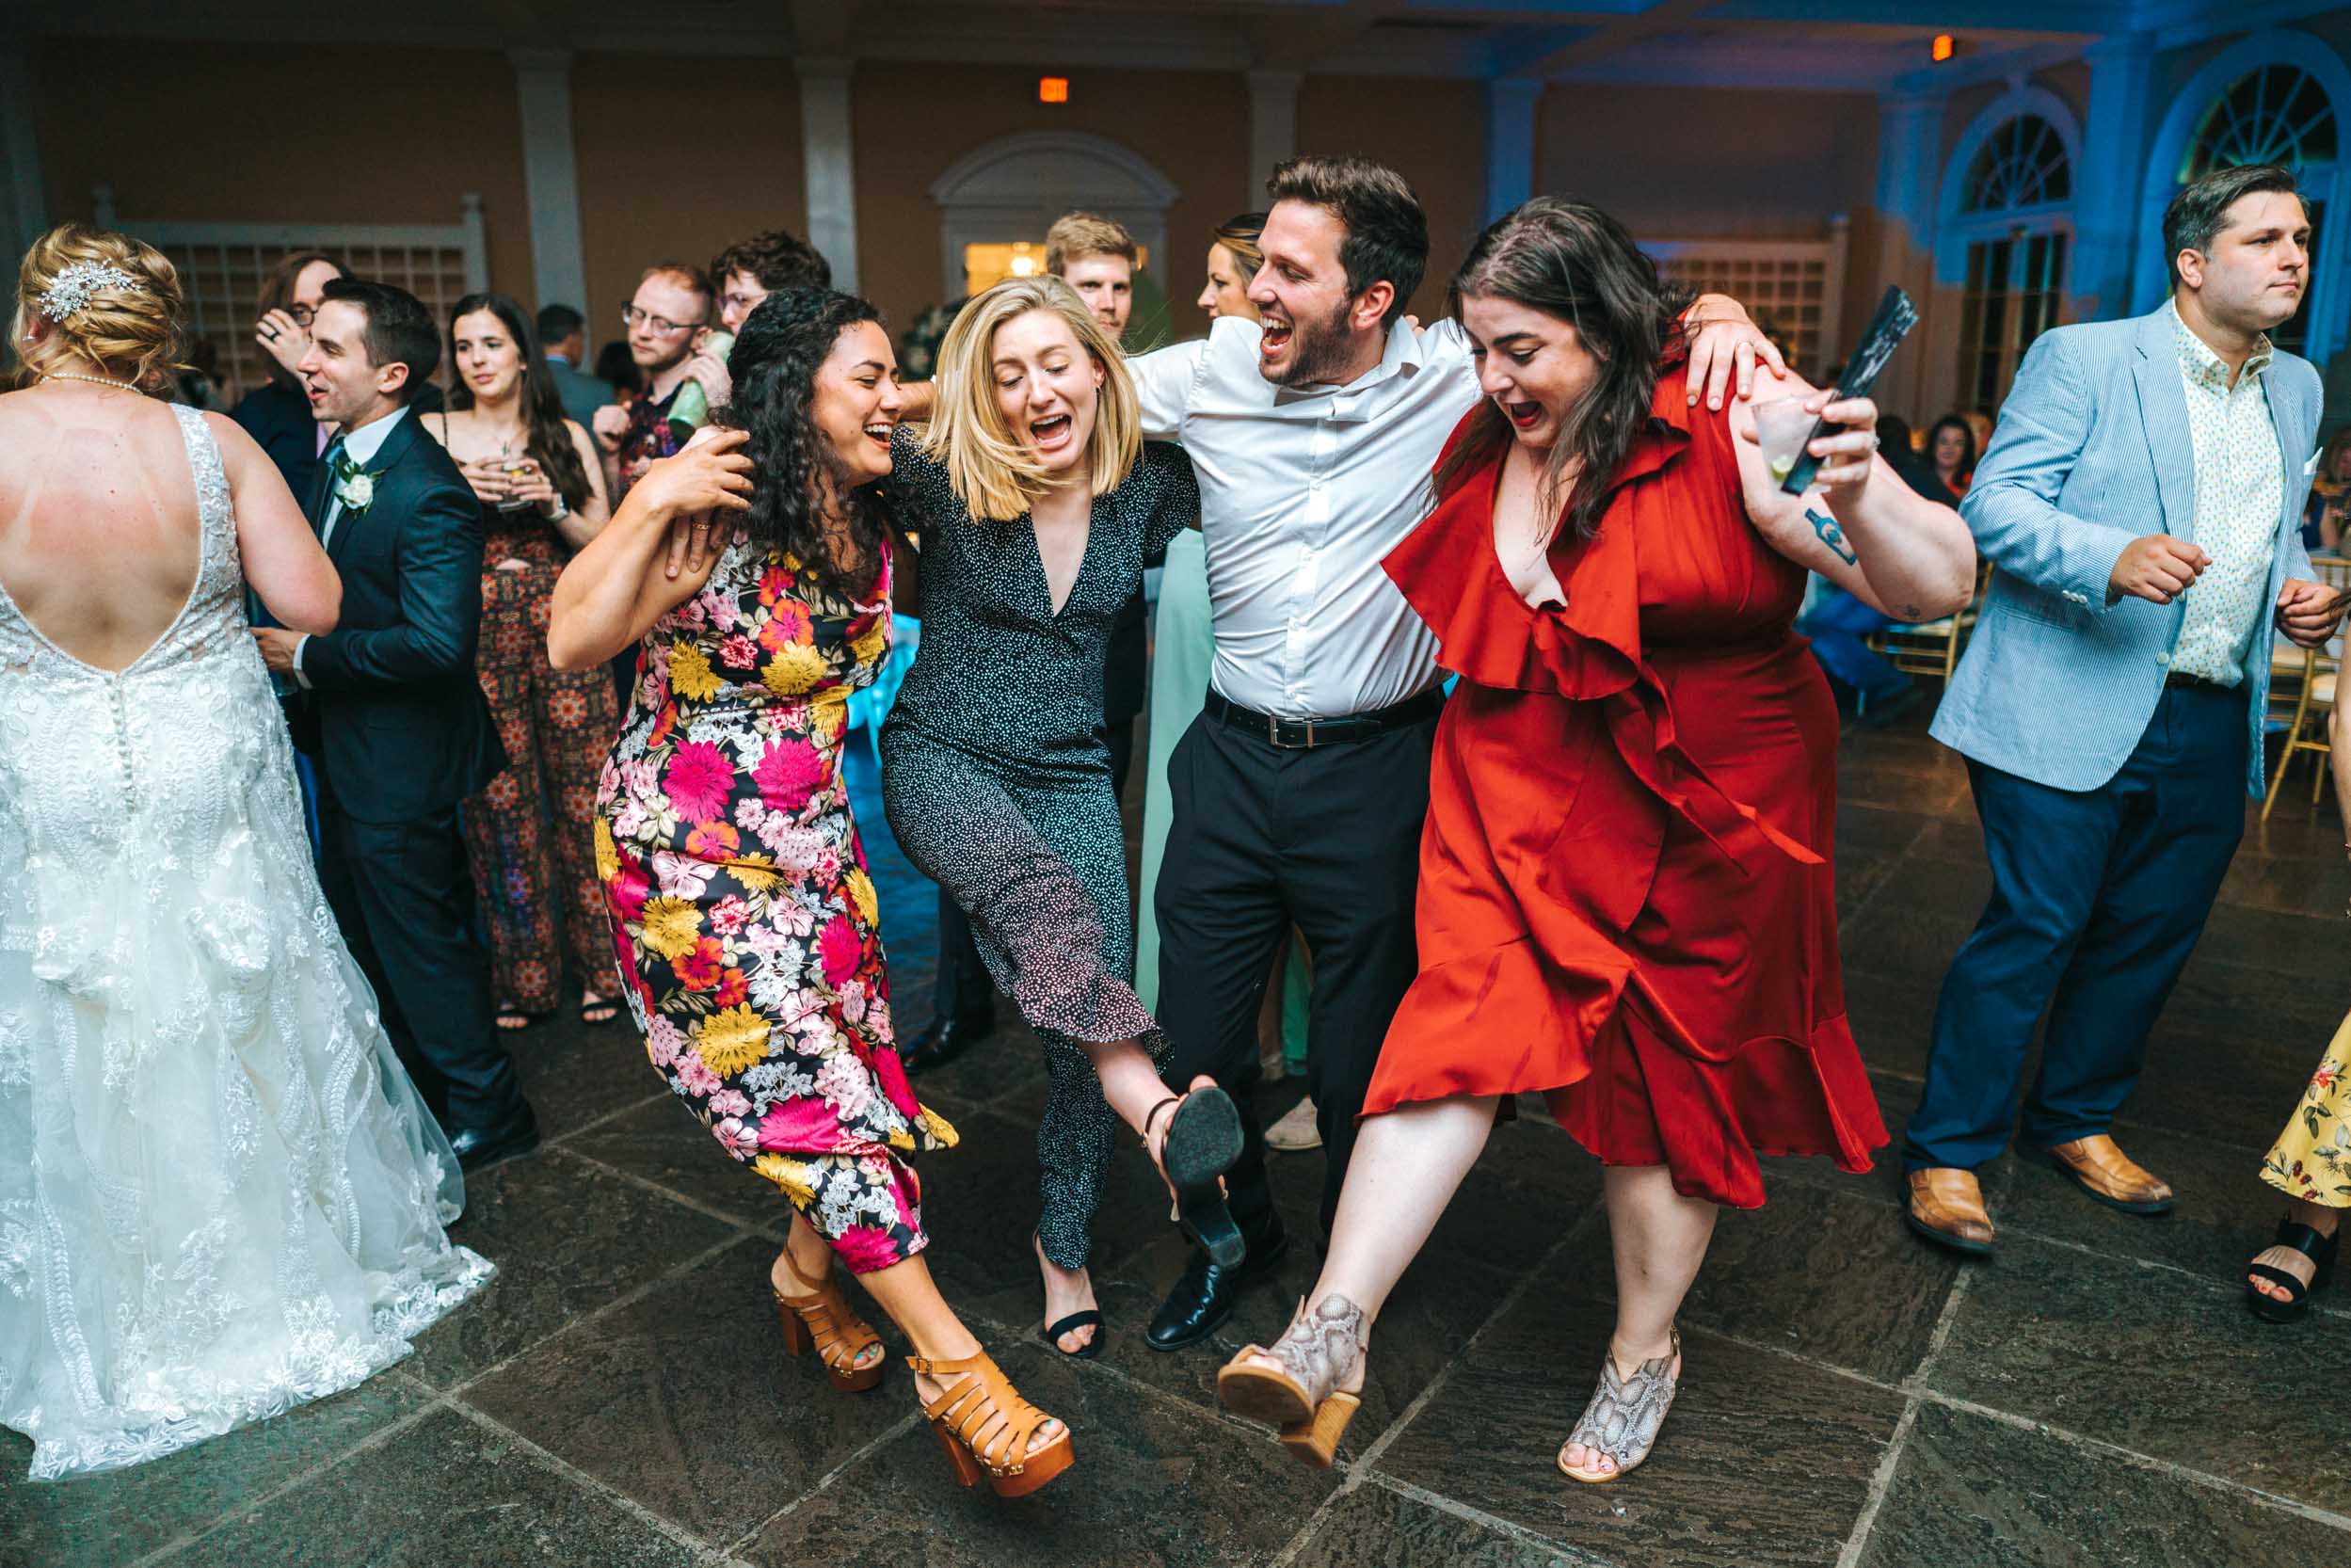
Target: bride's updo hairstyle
[127, 333]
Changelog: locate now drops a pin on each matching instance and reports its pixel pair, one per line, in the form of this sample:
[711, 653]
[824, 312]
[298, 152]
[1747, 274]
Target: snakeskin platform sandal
[1622, 1418]
[1301, 1394]
[985, 1426]
[821, 1319]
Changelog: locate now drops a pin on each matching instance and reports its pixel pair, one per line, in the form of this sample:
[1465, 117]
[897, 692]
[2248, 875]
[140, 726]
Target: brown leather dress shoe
[1947, 1205]
[2108, 1175]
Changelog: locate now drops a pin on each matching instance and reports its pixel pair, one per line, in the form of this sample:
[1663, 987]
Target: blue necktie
[335, 462]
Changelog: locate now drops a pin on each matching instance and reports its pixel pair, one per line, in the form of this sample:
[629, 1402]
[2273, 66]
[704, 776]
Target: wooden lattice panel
[1793, 288]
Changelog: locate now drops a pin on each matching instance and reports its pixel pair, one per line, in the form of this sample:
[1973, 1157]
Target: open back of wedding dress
[221, 1196]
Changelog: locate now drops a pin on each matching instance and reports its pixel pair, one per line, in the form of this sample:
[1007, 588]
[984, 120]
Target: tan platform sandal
[985, 1426]
[1300, 1396]
[1622, 1418]
[822, 1320]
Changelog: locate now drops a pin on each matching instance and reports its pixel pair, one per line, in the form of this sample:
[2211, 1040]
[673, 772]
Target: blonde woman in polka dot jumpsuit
[1043, 502]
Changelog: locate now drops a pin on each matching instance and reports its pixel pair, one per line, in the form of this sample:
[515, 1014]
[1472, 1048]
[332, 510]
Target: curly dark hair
[774, 363]
[778, 257]
[550, 444]
[1573, 261]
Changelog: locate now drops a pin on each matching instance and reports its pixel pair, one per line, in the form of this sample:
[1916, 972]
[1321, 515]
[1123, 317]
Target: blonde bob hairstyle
[992, 470]
[129, 334]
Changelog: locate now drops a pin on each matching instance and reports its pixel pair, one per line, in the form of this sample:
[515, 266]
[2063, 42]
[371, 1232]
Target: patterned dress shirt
[2239, 491]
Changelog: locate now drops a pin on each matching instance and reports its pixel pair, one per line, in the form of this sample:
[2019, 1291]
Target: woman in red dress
[1625, 896]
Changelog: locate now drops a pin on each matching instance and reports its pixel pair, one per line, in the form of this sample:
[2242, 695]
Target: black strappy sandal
[1203, 1141]
[2305, 1239]
[1090, 1318]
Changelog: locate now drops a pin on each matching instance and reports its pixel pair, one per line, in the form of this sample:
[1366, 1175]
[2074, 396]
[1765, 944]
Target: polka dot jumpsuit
[998, 785]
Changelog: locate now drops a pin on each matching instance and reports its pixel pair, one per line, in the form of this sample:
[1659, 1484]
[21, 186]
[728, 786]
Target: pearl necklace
[93, 380]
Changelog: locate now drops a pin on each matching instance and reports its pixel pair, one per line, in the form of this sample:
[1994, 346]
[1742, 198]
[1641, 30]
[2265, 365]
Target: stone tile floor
[2097, 1395]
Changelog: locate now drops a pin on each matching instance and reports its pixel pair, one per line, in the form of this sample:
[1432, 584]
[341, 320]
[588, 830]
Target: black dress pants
[1262, 837]
[403, 895]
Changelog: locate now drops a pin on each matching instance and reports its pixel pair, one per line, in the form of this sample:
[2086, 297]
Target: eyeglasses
[303, 315]
[631, 317]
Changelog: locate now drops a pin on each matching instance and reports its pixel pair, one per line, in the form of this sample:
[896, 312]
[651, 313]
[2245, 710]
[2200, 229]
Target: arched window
[2273, 114]
[2008, 231]
[2279, 96]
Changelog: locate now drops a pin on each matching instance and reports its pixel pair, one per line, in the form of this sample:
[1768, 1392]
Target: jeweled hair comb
[78, 283]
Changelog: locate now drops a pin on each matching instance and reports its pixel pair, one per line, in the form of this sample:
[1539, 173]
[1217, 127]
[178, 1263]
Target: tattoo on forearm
[1830, 534]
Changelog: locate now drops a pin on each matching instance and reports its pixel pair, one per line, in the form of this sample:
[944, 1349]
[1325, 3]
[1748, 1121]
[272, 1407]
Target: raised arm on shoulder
[1860, 525]
[283, 561]
[616, 588]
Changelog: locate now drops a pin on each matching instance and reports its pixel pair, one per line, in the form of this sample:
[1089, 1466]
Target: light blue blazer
[2094, 451]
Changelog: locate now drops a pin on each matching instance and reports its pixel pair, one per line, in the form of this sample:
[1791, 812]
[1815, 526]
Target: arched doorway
[2005, 236]
[1009, 192]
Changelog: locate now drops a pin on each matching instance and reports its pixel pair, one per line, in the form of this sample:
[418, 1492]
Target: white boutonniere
[355, 487]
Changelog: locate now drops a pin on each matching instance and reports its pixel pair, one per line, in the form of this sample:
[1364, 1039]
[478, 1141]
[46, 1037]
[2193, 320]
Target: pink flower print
[740, 1141]
[629, 888]
[839, 950]
[774, 583]
[800, 1126]
[751, 814]
[724, 613]
[730, 1102]
[795, 848]
[691, 616]
[699, 780]
[727, 915]
[842, 1081]
[695, 1075]
[664, 1042]
[699, 970]
[828, 868]
[712, 840]
[865, 1248]
[737, 652]
[640, 777]
[788, 774]
[787, 626]
[682, 875]
[890, 1073]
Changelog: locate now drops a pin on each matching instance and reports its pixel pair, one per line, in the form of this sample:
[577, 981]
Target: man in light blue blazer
[2141, 501]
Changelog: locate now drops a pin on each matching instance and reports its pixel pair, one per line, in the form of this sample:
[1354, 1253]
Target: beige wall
[287, 134]
[679, 157]
[1433, 132]
[910, 124]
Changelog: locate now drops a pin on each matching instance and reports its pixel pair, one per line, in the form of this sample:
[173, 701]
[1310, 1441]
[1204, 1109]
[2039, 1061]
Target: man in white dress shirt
[1299, 793]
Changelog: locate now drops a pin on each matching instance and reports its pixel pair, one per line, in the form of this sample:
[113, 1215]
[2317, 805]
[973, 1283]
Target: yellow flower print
[861, 894]
[690, 673]
[792, 669]
[790, 1174]
[607, 858]
[756, 873]
[828, 716]
[939, 1127]
[901, 1140]
[671, 925]
[732, 1040]
[870, 646]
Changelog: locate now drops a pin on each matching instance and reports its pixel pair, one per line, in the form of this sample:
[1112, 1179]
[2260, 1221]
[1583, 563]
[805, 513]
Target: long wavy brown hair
[1573, 261]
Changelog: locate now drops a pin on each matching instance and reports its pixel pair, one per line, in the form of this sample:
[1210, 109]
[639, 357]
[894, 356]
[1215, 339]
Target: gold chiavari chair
[2302, 693]
[1932, 647]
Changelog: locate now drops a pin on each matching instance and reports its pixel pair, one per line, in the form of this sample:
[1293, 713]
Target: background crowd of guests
[1486, 758]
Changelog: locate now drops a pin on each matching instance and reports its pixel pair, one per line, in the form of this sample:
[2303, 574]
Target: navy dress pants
[2097, 897]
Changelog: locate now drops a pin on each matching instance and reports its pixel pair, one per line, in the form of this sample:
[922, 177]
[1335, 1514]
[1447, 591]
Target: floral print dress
[2312, 1159]
[744, 920]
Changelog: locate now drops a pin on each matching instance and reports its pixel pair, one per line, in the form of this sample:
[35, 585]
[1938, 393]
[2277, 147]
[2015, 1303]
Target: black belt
[2194, 682]
[1306, 734]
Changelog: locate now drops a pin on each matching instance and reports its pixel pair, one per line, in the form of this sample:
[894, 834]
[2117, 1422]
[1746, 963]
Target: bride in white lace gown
[221, 1196]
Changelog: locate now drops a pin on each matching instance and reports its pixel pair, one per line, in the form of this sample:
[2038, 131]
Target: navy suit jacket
[395, 712]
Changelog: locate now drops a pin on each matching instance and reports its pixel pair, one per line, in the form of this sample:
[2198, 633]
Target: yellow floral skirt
[2312, 1159]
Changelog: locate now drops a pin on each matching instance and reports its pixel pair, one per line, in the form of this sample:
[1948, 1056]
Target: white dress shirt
[1302, 492]
[2240, 497]
[361, 447]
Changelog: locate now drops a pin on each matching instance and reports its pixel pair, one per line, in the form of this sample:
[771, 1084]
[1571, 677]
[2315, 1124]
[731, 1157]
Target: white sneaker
[1295, 1130]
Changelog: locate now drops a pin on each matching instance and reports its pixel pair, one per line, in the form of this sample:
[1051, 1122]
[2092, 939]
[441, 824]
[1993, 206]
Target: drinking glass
[1781, 427]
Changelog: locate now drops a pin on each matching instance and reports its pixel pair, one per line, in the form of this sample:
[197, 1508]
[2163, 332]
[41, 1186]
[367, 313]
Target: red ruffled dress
[1626, 900]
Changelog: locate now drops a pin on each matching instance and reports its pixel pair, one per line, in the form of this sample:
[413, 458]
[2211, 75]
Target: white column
[1510, 104]
[1272, 129]
[23, 204]
[1910, 144]
[550, 175]
[2107, 188]
[831, 165]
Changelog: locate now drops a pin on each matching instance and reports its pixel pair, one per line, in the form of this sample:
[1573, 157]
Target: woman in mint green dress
[1183, 645]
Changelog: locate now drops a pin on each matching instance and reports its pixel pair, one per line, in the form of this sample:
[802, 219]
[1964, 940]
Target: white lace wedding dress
[221, 1196]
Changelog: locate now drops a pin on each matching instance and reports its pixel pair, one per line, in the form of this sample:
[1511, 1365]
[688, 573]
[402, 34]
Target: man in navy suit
[2142, 504]
[394, 714]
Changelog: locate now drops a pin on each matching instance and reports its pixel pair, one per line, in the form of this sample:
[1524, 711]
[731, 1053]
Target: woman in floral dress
[2311, 1163]
[742, 914]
